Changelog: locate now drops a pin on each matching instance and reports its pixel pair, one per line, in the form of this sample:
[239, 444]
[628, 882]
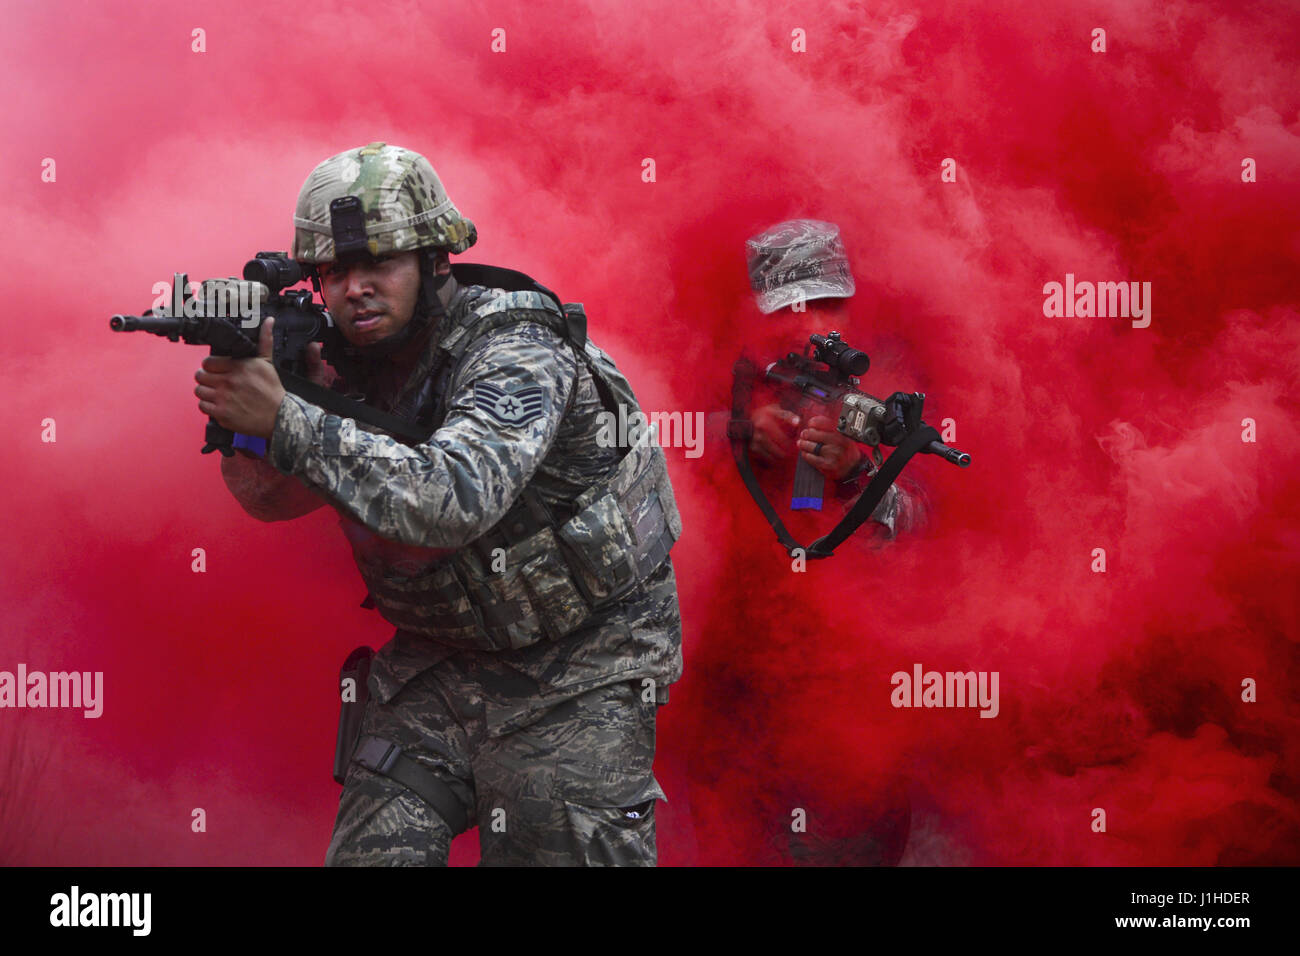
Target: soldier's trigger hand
[244, 394]
[827, 450]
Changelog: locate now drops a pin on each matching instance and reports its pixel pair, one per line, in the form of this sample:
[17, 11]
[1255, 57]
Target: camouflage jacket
[522, 412]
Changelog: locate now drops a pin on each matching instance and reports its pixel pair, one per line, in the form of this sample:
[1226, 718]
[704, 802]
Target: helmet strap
[429, 302]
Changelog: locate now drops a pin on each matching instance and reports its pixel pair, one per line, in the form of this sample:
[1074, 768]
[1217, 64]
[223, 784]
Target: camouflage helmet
[400, 206]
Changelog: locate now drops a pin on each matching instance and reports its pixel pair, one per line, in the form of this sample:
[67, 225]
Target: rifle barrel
[144, 323]
[959, 458]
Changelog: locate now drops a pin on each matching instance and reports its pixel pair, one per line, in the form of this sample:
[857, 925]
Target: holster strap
[386, 758]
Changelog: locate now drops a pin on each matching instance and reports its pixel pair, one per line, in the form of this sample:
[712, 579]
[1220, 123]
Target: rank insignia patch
[509, 408]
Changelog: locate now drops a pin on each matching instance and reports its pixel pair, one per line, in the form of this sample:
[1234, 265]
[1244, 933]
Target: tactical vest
[535, 574]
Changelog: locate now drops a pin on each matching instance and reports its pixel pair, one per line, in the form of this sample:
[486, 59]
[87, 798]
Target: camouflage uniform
[548, 746]
[533, 707]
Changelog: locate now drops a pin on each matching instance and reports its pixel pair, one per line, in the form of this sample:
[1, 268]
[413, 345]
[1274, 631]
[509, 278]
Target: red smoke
[1119, 690]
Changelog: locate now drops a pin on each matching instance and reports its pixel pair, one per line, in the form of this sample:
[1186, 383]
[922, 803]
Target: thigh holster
[353, 693]
[382, 756]
[387, 759]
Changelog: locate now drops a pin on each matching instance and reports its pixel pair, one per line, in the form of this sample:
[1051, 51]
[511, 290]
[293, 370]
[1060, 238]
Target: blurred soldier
[800, 266]
[852, 814]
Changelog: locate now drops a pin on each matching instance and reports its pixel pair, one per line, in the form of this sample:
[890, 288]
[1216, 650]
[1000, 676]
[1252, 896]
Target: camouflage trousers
[573, 787]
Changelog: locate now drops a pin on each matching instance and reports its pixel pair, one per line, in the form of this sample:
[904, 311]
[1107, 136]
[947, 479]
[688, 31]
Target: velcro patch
[511, 409]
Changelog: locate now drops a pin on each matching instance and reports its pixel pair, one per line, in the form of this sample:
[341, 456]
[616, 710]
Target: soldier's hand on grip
[774, 429]
[243, 395]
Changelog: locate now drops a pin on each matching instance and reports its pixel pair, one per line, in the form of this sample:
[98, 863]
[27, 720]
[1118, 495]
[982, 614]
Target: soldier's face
[371, 297]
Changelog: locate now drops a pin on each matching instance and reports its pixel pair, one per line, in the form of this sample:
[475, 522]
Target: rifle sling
[739, 430]
[346, 407]
[862, 509]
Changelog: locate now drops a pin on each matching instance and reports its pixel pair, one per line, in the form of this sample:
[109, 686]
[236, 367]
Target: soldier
[856, 816]
[799, 268]
[525, 567]
[803, 262]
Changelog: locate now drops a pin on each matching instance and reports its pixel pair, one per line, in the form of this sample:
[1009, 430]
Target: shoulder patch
[511, 409]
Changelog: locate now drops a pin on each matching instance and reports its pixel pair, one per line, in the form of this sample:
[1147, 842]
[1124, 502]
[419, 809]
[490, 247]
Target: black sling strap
[740, 429]
[825, 546]
[346, 407]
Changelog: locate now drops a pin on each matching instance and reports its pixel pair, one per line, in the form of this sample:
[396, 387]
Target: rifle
[207, 319]
[826, 374]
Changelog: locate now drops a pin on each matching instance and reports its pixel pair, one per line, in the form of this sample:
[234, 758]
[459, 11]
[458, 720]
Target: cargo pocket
[602, 550]
[609, 815]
